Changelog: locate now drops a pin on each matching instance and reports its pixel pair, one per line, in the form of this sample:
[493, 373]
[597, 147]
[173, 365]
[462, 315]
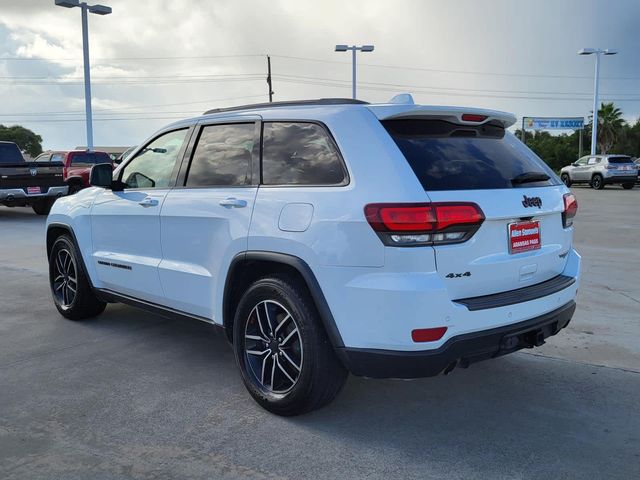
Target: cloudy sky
[157, 60]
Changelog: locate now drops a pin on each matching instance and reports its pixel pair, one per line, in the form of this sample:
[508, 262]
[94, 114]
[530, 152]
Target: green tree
[27, 140]
[610, 126]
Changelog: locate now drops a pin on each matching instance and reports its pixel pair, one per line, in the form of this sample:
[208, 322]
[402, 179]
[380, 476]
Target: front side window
[154, 165]
[298, 153]
[57, 157]
[222, 156]
[582, 161]
[44, 157]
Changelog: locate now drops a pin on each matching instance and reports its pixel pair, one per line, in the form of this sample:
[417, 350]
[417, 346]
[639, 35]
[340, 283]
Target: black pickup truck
[29, 183]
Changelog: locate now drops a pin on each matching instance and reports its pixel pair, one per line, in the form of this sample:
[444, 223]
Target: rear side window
[620, 159]
[89, 158]
[300, 153]
[446, 156]
[10, 153]
[222, 156]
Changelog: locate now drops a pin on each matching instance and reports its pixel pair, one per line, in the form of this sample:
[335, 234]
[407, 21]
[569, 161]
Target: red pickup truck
[77, 165]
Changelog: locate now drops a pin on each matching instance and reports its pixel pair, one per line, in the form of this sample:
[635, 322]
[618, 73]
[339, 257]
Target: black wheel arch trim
[69, 230]
[307, 274]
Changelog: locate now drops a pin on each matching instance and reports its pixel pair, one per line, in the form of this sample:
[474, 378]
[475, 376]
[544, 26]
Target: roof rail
[293, 103]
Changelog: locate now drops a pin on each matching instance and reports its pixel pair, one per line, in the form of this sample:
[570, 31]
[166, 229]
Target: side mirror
[101, 175]
[574, 164]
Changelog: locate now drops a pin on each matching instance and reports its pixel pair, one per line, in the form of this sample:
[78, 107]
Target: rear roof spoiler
[451, 114]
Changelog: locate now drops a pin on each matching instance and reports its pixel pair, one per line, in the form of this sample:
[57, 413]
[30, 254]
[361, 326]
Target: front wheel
[566, 179]
[627, 186]
[597, 182]
[286, 360]
[70, 287]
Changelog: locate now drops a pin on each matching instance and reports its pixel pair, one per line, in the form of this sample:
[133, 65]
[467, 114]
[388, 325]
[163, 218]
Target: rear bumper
[461, 350]
[621, 179]
[17, 196]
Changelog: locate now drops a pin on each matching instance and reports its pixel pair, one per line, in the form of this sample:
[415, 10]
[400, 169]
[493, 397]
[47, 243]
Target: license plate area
[33, 191]
[524, 236]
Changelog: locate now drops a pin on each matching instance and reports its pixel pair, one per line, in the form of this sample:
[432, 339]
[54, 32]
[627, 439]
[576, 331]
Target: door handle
[233, 203]
[148, 202]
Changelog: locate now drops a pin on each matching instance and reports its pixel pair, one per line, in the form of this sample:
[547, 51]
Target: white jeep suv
[326, 237]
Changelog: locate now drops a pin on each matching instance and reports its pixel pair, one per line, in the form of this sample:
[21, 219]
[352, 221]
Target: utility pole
[269, 79]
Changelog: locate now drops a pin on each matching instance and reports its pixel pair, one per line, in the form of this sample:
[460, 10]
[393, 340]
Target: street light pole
[594, 127]
[87, 78]
[98, 10]
[354, 49]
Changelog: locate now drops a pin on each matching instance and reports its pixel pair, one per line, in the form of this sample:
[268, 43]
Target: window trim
[177, 166]
[195, 138]
[347, 177]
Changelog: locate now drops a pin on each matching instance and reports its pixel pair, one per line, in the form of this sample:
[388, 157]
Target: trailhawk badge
[531, 201]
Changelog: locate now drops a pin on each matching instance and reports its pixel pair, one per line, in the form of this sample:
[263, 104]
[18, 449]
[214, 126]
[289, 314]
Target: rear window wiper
[529, 177]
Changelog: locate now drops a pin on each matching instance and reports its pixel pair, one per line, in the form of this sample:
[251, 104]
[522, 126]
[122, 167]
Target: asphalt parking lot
[132, 395]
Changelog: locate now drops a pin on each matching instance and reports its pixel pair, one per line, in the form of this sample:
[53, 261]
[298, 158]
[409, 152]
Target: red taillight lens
[472, 117]
[407, 224]
[570, 209]
[428, 334]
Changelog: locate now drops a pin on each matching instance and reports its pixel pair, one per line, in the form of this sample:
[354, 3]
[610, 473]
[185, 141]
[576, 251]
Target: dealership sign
[548, 123]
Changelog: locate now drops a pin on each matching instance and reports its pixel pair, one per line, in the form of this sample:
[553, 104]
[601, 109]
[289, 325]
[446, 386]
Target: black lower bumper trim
[525, 294]
[460, 351]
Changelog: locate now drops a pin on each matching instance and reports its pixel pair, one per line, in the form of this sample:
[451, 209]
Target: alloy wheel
[273, 347]
[65, 278]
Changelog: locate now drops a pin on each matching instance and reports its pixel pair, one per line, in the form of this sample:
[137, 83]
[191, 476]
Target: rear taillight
[412, 224]
[570, 209]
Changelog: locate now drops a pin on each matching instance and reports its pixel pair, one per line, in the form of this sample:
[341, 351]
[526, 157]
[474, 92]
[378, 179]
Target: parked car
[77, 165]
[28, 183]
[326, 237]
[637, 162]
[601, 170]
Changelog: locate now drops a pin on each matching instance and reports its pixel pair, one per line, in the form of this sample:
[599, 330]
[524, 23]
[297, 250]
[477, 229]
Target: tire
[566, 179]
[303, 373]
[74, 188]
[65, 269]
[597, 182]
[42, 207]
[628, 186]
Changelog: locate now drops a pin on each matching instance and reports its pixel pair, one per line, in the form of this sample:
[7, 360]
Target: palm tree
[610, 125]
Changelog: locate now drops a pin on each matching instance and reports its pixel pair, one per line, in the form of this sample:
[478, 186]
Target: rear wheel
[627, 186]
[74, 188]
[597, 182]
[285, 358]
[566, 179]
[42, 207]
[72, 293]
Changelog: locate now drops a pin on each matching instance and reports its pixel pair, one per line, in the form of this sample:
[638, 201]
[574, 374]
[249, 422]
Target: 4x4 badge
[531, 201]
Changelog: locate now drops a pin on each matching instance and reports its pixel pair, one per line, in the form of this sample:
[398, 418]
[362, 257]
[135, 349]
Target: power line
[117, 109]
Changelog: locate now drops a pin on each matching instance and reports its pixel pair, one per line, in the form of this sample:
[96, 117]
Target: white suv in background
[326, 237]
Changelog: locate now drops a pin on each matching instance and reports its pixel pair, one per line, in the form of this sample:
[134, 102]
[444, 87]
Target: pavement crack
[577, 362]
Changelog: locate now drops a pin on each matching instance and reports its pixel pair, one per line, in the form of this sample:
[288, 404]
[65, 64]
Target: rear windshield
[10, 153]
[620, 159]
[90, 158]
[446, 156]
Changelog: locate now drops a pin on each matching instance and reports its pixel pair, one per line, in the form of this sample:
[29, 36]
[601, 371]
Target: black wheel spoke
[65, 282]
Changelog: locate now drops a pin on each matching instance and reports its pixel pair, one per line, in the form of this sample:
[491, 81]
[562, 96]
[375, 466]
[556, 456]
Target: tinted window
[222, 156]
[299, 154]
[10, 153]
[620, 159]
[154, 165]
[446, 156]
[89, 158]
